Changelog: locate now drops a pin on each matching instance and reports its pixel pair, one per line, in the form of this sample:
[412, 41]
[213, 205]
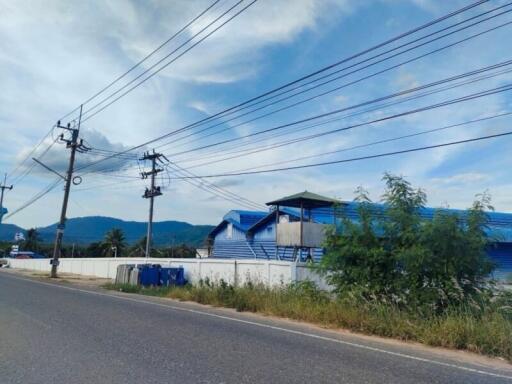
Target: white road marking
[286, 330]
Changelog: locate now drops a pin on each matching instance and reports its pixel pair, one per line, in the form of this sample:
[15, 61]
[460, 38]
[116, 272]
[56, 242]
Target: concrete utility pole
[152, 192]
[3, 187]
[75, 145]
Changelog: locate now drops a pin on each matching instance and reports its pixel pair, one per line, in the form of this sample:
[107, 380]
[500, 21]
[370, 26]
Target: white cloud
[57, 53]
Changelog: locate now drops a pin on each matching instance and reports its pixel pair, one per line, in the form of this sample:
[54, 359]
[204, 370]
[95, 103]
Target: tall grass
[481, 329]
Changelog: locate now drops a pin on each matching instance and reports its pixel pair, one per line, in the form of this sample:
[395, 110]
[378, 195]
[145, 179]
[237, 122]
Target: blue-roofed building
[252, 234]
[229, 238]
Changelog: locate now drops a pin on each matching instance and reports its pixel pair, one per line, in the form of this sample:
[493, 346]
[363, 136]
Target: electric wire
[22, 176]
[367, 157]
[35, 198]
[342, 69]
[383, 141]
[89, 115]
[241, 149]
[29, 155]
[389, 41]
[216, 188]
[342, 61]
[144, 59]
[337, 88]
[337, 111]
[467, 97]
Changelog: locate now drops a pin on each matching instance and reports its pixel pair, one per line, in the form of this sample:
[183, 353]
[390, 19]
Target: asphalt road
[59, 334]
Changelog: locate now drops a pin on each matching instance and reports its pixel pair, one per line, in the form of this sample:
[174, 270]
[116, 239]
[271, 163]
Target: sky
[55, 55]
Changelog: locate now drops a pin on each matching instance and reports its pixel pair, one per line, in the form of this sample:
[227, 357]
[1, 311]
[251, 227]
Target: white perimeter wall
[236, 272]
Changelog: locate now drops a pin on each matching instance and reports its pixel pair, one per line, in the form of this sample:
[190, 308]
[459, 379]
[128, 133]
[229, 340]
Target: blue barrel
[164, 278]
[177, 276]
[149, 274]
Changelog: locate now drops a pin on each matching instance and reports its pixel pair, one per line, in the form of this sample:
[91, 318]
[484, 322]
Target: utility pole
[3, 187]
[152, 192]
[75, 145]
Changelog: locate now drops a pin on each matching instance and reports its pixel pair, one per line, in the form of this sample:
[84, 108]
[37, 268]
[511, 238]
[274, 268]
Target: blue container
[149, 274]
[164, 277]
[172, 276]
[178, 276]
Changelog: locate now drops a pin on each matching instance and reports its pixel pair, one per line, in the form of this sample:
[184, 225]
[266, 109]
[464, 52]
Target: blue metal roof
[270, 217]
[245, 219]
[242, 220]
[499, 225]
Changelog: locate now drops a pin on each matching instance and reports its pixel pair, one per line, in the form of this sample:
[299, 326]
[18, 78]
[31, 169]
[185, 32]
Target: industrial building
[293, 230]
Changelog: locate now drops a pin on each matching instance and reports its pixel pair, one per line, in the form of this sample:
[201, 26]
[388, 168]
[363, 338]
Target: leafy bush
[395, 256]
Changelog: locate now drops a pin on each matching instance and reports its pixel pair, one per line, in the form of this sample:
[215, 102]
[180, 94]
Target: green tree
[181, 251]
[32, 240]
[95, 249]
[139, 248]
[114, 239]
[390, 253]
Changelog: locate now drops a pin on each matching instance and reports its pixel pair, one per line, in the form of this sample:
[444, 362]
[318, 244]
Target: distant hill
[85, 230]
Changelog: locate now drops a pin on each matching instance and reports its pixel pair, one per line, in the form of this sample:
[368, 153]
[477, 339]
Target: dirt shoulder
[64, 278]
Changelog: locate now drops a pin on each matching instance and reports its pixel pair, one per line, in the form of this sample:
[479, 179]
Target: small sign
[54, 262]
[19, 236]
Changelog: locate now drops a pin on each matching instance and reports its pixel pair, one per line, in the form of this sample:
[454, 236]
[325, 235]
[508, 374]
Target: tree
[391, 253]
[138, 249]
[32, 240]
[114, 240]
[181, 251]
[95, 249]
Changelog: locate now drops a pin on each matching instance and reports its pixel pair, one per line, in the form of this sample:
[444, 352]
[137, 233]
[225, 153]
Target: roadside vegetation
[393, 274]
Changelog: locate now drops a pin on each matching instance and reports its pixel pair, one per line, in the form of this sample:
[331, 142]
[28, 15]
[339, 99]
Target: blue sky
[54, 55]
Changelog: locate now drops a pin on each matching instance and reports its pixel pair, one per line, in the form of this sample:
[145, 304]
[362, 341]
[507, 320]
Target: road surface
[64, 334]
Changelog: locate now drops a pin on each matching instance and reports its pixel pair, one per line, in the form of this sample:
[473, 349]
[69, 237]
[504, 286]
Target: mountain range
[89, 229]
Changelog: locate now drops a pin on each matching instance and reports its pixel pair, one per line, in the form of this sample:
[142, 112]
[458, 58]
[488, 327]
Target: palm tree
[32, 240]
[114, 242]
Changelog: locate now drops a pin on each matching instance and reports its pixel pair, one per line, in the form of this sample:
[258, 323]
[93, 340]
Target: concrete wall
[233, 271]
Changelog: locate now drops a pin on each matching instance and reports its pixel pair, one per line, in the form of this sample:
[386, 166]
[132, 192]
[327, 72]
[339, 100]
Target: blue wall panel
[501, 254]
[237, 234]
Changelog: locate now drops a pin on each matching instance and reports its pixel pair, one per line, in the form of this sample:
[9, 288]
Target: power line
[368, 157]
[30, 154]
[389, 41]
[383, 141]
[313, 136]
[219, 191]
[144, 59]
[35, 198]
[168, 63]
[337, 88]
[337, 111]
[22, 176]
[378, 107]
[108, 86]
[347, 59]
[368, 59]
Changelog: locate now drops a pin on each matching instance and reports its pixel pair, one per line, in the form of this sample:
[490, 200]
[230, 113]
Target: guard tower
[304, 234]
